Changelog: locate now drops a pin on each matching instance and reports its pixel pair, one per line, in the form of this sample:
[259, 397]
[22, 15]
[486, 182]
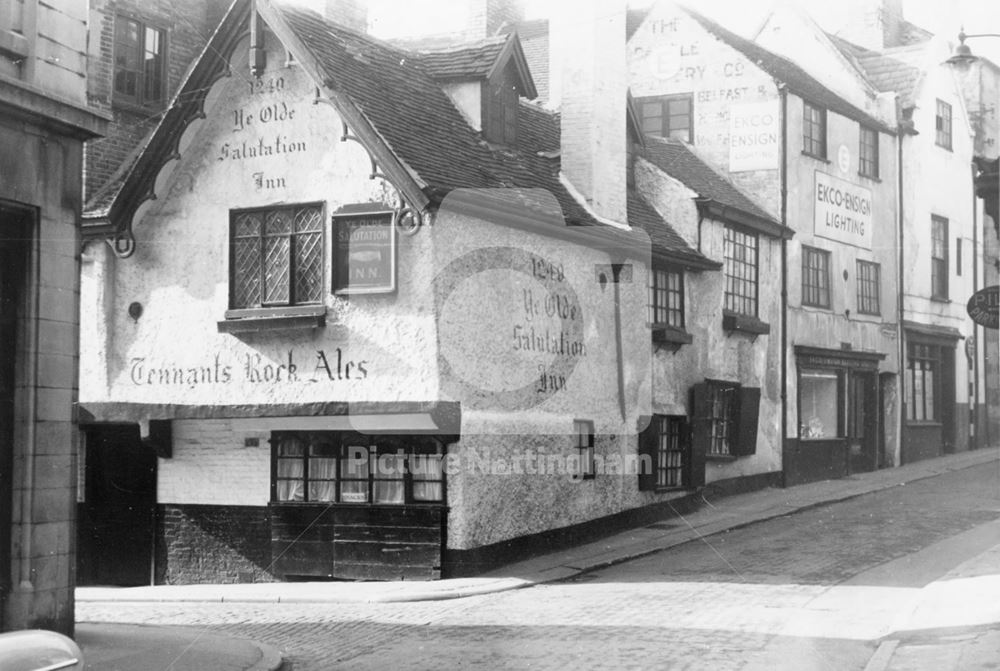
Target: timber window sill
[300, 317]
[670, 336]
[738, 323]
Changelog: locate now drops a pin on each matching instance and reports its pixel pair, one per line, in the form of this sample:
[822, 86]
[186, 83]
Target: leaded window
[869, 282]
[815, 277]
[276, 256]
[741, 271]
[666, 298]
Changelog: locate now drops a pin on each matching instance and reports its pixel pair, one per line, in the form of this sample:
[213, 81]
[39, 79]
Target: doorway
[862, 422]
[117, 519]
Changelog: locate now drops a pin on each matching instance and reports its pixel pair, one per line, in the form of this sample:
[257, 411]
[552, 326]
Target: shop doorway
[862, 422]
[117, 518]
[14, 231]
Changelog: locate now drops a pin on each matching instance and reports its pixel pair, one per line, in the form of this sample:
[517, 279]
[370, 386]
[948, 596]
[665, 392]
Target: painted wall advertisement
[843, 211]
[753, 136]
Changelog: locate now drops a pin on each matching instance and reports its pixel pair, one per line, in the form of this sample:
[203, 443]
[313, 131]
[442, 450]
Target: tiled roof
[798, 80]
[538, 129]
[662, 236]
[896, 70]
[678, 160]
[465, 61]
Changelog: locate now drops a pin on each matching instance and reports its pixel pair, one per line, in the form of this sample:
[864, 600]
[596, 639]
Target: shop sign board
[843, 211]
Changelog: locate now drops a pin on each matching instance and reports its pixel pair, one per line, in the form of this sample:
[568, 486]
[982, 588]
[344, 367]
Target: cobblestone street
[813, 590]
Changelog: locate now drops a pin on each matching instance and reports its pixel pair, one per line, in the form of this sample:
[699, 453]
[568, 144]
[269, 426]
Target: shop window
[668, 116]
[821, 400]
[923, 382]
[868, 153]
[815, 277]
[869, 283]
[343, 467]
[741, 258]
[501, 103]
[725, 417]
[140, 62]
[583, 436]
[276, 257]
[939, 258]
[942, 125]
[814, 130]
[666, 298]
[665, 445]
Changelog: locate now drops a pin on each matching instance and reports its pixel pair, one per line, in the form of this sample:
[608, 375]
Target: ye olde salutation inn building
[359, 309]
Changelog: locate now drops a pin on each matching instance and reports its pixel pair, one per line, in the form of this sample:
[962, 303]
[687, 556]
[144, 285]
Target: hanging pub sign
[984, 307]
[364, 253]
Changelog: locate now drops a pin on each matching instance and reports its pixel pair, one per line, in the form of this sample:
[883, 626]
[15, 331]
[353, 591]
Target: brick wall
[212, 544]
[189, 24]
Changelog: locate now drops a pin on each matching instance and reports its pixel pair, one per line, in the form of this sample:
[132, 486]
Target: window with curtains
[346, 467]
[276, 256]
[139, 62]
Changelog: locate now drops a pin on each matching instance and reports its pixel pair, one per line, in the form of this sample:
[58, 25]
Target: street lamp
[963, 54]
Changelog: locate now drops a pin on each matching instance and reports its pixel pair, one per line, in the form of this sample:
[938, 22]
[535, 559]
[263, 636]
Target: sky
[944, 17]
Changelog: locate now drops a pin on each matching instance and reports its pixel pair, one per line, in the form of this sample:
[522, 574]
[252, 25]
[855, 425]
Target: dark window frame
[584, 441]
[669, 125]
[666, 442]
[939, 258]
[924, 362]
[501, 107]
[816, 284]
[666, 303]
[814, 130]
[343, 444]
[868, 154]
[144, 95]
[869, 279]
[741, 260]
[297, 260]
[943, 119]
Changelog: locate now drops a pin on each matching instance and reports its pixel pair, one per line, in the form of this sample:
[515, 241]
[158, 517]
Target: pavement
[956, 617]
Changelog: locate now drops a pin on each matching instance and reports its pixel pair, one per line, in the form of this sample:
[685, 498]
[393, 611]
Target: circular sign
[844, 158]
[984, 307]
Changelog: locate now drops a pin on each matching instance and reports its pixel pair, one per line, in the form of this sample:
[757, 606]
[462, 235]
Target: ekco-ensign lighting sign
[843, 211]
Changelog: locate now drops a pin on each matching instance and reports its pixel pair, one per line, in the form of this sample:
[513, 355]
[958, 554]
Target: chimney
[591, 96]
[351, 14]
[873, 24]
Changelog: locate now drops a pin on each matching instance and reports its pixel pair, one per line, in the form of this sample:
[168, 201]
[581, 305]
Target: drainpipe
[31, 349]
[974, 442]
[901, 132]
[616, 272]
[783, 365]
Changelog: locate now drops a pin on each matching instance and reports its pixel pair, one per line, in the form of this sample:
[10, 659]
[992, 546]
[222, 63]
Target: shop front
[930, 400]
[840, 415]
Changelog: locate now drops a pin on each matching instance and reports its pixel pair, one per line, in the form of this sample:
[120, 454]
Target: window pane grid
[741, 272]
[139, 59]
[722, 420]
[868, 288]
[669, 452]
[868, 162]
[942, 122]
[814, 130]
[668, 116]
[815, 277]
[939, 257]
[922, 379]
[666, 298]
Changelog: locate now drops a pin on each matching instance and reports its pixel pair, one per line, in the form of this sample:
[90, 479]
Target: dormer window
[500, 106]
